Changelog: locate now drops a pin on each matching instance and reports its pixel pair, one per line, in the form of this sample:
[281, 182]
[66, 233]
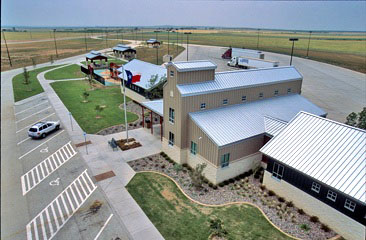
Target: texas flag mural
[132, 77]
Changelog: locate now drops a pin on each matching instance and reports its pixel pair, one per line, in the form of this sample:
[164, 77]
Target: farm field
[342, 49]
[149, 54]
[167, 208]
[71, 94]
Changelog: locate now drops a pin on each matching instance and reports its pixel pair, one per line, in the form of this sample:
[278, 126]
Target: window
[277, 171]
[172, 73]
[193, 148]
[171, 115]
[244, 98]
[315, 187]
[350, 205]
[224, 102]
[261, 95]
[288, 90]
[332, 195]
[171, 139]
[276, 92]
[225, 160]
[203, 106]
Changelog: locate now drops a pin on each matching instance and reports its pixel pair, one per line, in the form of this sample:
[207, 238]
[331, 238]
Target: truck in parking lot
[245, 62]
[242, 52]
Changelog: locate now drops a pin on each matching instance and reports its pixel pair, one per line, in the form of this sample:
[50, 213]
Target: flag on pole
[132, 78]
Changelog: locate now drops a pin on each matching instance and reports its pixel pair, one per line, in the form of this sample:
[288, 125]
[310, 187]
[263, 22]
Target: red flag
[136, 77]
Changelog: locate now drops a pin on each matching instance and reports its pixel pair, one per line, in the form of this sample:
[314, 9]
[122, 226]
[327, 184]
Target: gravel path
[247, 189]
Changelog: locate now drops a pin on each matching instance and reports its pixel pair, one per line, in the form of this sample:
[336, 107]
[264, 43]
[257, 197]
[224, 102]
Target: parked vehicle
[241, 52]
[41, 129]
[245, 62]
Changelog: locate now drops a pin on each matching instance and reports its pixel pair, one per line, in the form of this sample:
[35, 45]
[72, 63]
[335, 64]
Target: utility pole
[168, 40]
[157, 55]
[258, 39]
[293, 40]
[86, 45]
[307, 52]
[54, 38]
[187, 33]
[177, 39]
[106, 38]
[7, 50]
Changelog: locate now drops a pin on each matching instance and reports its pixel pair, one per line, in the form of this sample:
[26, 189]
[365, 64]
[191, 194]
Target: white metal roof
[157, 106]
[330, 152]
[122, 48]
[145, 69]
[225, 81]
[186, 66]
[273, 126]
[94, 54]
[238, 122]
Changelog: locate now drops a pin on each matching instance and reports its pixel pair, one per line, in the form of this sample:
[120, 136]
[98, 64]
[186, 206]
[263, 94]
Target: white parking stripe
[30, 175]
[34, 123]
[32, 114]
[52, 224]
[31, 107]
[23, 140]
[41, 144]
[105, 224]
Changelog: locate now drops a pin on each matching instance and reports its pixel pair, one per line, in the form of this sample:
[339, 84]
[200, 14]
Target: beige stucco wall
[174, 152]
[342, 224]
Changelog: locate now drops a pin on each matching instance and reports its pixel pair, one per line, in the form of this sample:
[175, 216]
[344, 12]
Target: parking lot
[56, 183]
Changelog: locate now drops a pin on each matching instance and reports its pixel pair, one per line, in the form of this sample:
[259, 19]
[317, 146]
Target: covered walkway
[155, 107]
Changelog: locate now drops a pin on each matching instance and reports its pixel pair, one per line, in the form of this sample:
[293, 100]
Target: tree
[90, 80]
[216, 228]
[99, 109]
[357, 119]
[26, 79]
[155, 86]
[197, 176]
[34, 62]
[85, 96]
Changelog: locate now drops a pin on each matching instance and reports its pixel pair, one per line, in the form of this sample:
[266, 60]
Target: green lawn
[116, 61]
[176, 217]
[70, 92]
[68, 72]
[21, 91]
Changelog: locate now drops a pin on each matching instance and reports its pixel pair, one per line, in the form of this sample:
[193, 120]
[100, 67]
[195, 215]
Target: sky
[292, 15]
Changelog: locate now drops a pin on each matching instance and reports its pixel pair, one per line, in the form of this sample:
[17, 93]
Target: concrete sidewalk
[101, 158]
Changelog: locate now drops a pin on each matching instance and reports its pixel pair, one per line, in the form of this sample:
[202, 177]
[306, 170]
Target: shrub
[256, 176]
[271, 193]
[314, 219]
[184, 170]
[325, 228]
[210, 185]
[231, 180]
[177, 167]
[304, 227]
[217, 229]
[221, 184]
[156, 165]
[185, 165]
[162, 153]
[205, 180]
[197, 175]
[242, 176]
[237, 178]
[263, 187]
[300, 211]
[250, 172]
[289, 204]
[163, 166]
[281, 199]
[226, 182]
[214, 187]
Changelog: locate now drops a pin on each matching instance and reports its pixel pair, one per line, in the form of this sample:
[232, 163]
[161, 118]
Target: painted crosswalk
[51, 219]
[41, 171]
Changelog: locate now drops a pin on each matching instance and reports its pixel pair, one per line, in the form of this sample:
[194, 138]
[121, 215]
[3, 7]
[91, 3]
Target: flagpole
[124, 102]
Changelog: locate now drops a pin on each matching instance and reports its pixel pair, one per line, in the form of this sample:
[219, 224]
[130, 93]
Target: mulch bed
[246, 188]
[124, 147]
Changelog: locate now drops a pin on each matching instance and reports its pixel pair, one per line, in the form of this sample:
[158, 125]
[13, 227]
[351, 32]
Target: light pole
[307, 52]
[157, 55]
[54, 38]
[293, 40]
[106, 38]
[86, 45]
[177, 39]
[258, 39]
[168, 38]
[187, 33]
[156, 34]
[7, 50]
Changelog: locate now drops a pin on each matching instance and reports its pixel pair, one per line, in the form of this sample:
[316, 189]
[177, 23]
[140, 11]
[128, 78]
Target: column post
[152, 125]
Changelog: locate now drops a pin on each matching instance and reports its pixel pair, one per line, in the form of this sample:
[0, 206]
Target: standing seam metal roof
[234, 123]
[156, 106]
[225, 81]
[186, 66]
[330, 152]
[145, 69]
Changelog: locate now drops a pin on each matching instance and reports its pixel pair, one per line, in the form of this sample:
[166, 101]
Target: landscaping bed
[244, 188]
[132, 144]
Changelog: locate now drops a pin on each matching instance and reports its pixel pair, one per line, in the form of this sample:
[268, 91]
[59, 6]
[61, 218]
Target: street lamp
[258, 39]
[86, 45]
[177, 39]
[54, 38]
[7, 49]
[293, 40]
[307, 52]
[168, 38]
[187, 33]
[156, 34]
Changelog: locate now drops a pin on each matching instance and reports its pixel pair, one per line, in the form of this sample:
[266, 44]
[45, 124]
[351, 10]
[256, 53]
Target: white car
[41, 129]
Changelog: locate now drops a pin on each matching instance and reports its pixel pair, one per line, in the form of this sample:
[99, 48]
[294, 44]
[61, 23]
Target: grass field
[343, 49]
[68, 72]
[70, 92]
[22, 91]
[149, 54]
[176, 217]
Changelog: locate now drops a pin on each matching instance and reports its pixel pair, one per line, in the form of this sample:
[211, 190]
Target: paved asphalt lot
[47, 185]
[337, 90]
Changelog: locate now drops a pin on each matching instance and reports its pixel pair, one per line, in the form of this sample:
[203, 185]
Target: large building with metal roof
[223, 119]
[320, 165]
[124, 51]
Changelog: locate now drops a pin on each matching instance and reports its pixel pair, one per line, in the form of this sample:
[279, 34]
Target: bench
[113, 144]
